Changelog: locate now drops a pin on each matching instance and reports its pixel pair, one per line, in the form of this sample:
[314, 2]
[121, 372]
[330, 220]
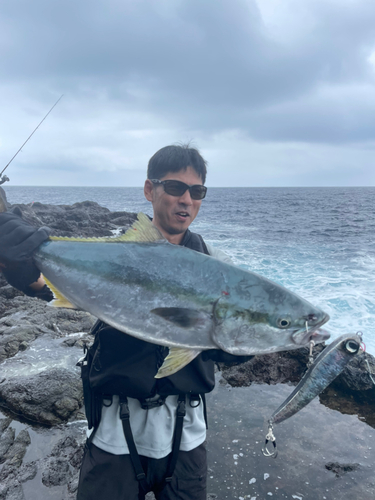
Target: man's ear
[148, 188]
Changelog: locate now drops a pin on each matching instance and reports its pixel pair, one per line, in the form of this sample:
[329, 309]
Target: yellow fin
[75, 238]
[142, 231]
[176, 359]
[59, 300]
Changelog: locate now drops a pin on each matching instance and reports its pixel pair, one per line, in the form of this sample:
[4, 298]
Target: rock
[341, 469]
[12, 492]
[62, 467]
[23, 324]
[276, 368]
[85, 219]
[27, 472]
[4, 424]
[49, 397]
[56, 472]
[6, 441]
[356, 375]
[17, 451]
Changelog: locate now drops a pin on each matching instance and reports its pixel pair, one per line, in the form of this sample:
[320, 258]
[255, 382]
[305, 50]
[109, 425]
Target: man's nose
[185, 199]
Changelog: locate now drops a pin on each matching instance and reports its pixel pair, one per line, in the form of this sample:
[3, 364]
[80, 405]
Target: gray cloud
[139, 74]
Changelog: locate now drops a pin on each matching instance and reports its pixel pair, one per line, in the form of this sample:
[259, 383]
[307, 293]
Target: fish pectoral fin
[176, 359]
[59, 299]
[181, 316]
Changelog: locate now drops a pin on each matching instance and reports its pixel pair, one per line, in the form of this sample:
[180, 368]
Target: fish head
[273, 322]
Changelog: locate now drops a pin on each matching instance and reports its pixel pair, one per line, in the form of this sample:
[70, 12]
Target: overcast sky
[272, 92]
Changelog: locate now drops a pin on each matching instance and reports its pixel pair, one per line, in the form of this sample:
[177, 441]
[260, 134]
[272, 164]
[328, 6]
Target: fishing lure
[326, 367]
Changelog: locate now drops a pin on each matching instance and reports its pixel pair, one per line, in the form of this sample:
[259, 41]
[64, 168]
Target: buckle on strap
[181, 408]
[124, 409]
[149, 403]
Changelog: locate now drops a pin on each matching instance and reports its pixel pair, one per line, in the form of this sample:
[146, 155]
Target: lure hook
[270, 438]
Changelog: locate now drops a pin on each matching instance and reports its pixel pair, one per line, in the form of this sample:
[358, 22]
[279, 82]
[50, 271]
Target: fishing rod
[5, 178]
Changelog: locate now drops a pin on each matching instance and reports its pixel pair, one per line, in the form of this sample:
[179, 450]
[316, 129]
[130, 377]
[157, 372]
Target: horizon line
[210, 187]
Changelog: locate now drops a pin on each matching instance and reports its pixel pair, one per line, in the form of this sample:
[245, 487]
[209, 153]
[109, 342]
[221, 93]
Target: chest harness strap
[139, 472]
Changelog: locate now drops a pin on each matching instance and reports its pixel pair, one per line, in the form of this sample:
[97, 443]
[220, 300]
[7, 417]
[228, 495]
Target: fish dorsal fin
[58, 298]
[142, 231]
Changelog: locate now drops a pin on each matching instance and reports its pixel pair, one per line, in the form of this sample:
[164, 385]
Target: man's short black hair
[174, 159]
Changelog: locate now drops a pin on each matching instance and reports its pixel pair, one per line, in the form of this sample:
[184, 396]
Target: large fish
[170, 295]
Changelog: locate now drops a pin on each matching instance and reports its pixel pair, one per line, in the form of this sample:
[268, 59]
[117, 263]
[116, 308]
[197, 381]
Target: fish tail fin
[59, 299]
[176, 359]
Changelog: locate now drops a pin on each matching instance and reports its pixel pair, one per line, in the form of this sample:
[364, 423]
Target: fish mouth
[302, 336]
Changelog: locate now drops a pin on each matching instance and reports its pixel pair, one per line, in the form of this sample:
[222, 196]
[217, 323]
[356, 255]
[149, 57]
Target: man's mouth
[183, 215]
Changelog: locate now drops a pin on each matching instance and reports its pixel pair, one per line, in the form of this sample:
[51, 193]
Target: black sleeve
[18, 241]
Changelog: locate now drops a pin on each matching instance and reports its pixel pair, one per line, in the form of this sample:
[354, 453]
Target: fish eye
[352, 347]
[283, 323]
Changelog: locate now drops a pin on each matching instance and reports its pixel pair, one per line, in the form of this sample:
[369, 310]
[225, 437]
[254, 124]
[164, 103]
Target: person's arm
[18, 242]
[38, 285]
[218, 254]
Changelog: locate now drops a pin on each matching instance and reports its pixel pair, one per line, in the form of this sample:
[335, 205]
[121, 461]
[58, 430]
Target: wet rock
[16, 452]
[85, 219]
[56, 472]
[10, 474]
[73, 484]
[341, 469]
[276, 368]
[356, 375]
[6, 441]
[62, 467]
[8, 292]
[50, 397]
[27, 472]
[15, 338]
[14, 455]
[25, 322]
[12, 492]
[4, 424]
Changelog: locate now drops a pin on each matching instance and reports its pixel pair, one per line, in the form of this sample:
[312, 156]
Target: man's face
[173, 214]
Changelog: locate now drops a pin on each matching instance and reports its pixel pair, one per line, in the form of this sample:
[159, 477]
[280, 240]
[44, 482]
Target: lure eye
[283, 323]
[351, 346]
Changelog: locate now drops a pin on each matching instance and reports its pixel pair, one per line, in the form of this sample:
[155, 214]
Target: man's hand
[18, 241]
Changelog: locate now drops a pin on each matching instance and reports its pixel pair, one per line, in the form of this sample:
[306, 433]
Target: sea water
[318, 242]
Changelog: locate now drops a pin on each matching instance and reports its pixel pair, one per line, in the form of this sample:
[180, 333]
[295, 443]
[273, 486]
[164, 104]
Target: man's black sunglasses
[178, 188]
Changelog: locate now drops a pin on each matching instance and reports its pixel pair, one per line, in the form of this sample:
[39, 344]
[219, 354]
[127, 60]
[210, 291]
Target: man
[148, 434]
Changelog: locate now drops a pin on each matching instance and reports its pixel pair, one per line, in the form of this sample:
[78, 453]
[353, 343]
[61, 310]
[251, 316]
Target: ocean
[318, 242]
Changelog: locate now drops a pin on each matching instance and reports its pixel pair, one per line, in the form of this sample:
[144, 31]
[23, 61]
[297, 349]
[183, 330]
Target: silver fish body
[326, 367]
[173, 296]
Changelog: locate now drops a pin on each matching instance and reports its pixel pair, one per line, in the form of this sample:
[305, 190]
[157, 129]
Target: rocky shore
[42, 423]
